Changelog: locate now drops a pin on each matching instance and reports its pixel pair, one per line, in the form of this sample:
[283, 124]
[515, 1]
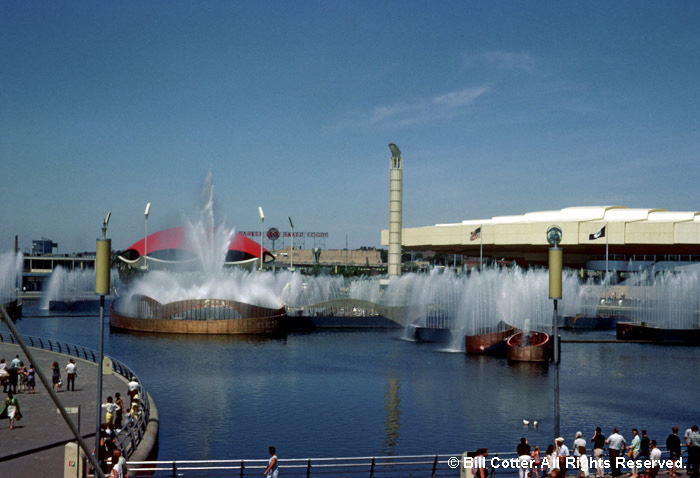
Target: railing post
[308, 468]
[174, 469]
[434, 466]
[371, 469]
[242, 468]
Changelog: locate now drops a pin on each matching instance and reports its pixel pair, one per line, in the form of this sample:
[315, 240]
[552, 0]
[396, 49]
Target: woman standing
[10, 409]
[111, 407]
[31, 381]
[22, 377]
[119, 412]
[272, 470]
[56, 377]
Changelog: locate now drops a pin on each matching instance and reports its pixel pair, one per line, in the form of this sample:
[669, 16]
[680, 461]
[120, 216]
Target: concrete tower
[395, 192]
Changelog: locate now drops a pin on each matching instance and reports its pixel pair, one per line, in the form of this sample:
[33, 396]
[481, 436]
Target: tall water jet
[662, 306]
[198, 294]
[10, 275]
[11, 281]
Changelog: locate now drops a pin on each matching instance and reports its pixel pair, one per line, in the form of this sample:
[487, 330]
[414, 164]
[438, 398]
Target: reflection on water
[366, 393]
[392, 400]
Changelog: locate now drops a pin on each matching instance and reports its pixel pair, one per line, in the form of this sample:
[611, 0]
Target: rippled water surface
[359, 393]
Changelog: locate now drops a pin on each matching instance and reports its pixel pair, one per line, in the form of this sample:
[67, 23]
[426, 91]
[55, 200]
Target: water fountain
[72, 290]
[488, 304]
[200, 295]
[661, 306]
[10, 280]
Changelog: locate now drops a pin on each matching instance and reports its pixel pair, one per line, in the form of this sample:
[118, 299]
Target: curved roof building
[631, 233]
[171, 246]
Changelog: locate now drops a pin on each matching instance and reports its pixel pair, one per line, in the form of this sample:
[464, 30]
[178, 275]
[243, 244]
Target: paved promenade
[35, 448]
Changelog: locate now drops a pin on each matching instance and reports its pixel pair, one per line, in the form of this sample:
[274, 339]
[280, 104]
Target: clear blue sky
[498, 107]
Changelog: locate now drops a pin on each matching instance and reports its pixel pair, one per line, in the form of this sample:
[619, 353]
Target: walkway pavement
[35, 448]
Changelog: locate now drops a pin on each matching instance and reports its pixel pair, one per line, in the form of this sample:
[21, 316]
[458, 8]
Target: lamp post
[291, 252]
[554, 236]
[102, 285]
[262, 219]
[145, 246]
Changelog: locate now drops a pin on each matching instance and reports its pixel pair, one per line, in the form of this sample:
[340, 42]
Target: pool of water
[360, 393]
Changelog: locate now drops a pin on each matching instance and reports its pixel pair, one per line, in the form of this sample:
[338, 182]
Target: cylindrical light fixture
[102, 266]
[555, 271]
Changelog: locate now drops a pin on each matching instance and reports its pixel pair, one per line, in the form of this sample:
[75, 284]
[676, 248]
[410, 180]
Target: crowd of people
[111, 459]
[643, 456]
[16, 378]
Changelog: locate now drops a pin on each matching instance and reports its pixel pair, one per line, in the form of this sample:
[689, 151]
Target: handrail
[433, 466]
[384, 466]
[134, 429]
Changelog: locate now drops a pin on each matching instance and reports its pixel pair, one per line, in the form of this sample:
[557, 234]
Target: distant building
[635, 237]
[43, 247]
[332, 257]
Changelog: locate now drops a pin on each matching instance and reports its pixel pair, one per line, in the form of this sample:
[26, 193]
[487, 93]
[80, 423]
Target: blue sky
[498, 107]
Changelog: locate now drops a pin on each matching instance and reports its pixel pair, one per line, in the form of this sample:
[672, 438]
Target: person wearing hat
[580, 453]
[562, 453]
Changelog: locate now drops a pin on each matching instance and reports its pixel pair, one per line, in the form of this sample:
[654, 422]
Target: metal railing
[432, 466]
[427, 466]
[144, 307]
[133, 430]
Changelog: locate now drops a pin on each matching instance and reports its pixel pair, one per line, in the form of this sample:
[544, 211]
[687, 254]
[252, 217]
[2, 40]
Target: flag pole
[481, 247]
[606, 255]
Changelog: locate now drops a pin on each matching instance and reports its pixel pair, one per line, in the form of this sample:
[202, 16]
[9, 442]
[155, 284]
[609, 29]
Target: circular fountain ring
[196, 316]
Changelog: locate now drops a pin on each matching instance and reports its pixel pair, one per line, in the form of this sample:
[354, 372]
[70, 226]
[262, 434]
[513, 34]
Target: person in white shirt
[562, 453]
[133, 388]
[580, 452]
[118, 471]
[111, 407]
[616, 445]
[71, 372]
[655, 457]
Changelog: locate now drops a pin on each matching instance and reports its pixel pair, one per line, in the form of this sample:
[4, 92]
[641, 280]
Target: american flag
[476, 234]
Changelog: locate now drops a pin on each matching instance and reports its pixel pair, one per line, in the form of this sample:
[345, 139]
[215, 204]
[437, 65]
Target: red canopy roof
[175, 238]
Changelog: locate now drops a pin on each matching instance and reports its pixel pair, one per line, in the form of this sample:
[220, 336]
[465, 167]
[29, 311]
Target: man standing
[673, 445]
[480, 470]
[616, 445]
[580, 453]
[687, 446]
[562, 453]
[70, 374]
[644, 447]
[133, 388]
[13, 371]
[694, 450]
[598, 446]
